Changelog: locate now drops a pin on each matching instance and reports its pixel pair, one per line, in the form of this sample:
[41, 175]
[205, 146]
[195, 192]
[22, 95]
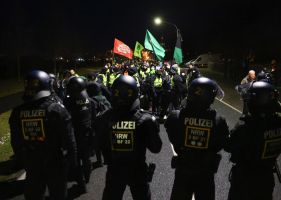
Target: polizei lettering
[128, 125]
[32, 113]
[270, 134]
[198, 122]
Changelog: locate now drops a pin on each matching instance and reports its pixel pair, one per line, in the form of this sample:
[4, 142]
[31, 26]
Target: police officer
[254, 144]
[127, 133]
[79, 105]
[177, 87]
[192, 73]
[42, 138]
[197, 133]
[157, 91]
[102, 104]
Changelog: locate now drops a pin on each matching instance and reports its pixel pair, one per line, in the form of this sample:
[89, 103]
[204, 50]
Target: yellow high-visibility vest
[158, 82]
[112, 78]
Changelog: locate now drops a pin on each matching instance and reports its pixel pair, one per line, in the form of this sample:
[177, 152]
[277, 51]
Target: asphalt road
[163, 178]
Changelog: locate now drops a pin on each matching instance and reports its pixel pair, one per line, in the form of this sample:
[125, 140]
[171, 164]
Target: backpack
[102, 104]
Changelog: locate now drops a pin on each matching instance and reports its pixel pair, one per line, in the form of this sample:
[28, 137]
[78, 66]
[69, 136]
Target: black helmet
[36, 85]
[75, 85]
[132, 71]
[262, 98]
[201, 93]
[124, 92]
[195, 73]
[174, 69]
[93, 89]
[263, 76]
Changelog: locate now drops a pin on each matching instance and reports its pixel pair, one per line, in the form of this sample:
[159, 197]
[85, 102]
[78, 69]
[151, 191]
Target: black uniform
[101, 104]
[166, 95]
[125, 138]
[197, 137]
[177, 90]
[42, 138]
[81, 111]
[197, 133]
[255, 143]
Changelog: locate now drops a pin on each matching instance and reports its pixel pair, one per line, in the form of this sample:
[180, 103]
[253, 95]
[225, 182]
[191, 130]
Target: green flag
[178, 51]
[138, 49]
[152, 44]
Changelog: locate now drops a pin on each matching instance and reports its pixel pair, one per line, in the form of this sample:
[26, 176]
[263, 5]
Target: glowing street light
[158, 21]
[177, 52]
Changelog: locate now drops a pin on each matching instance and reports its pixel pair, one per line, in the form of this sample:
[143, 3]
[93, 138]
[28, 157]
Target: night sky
[87, 27]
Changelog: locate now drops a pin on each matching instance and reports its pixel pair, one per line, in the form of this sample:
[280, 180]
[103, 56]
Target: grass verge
[5, 146]
[11, 86]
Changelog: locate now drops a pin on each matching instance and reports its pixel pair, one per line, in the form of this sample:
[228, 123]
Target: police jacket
[256, 141]
[81, 111]
[177, 83]
[197, 136]
[42, 132]
[125, 136]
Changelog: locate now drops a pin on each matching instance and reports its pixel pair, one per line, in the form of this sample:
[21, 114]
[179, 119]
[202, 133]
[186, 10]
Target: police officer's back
[254, 144]
[178, 87]
[197, 133]
[78, 104]
[42, 138]
[127, 133]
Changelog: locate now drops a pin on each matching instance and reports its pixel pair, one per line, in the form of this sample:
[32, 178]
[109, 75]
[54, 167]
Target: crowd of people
[156, 83]
[114, 116]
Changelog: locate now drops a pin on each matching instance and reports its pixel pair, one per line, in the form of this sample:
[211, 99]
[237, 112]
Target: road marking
[173, 150]
[230, 106]
[22, 176]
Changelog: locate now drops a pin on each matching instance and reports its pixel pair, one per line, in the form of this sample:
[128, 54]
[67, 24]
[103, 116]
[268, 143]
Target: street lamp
[159, 21]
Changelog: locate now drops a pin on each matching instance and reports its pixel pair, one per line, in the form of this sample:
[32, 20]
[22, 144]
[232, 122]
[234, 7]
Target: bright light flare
[158, 21]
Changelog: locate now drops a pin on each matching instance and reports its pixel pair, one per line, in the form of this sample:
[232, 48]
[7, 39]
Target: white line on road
[229, 106]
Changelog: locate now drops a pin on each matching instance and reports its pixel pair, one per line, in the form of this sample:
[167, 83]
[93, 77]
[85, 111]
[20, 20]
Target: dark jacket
[197, 137]
[256, 141]
[125, 136]
[42, 131]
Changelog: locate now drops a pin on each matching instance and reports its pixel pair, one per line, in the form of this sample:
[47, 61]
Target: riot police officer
[177, 87]
[79, 105]
[127, 133]
[102, 104]
[254, 144]
[197, 133]
[42, 138]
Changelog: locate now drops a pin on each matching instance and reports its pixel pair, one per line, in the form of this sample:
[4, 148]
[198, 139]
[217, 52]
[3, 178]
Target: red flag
[122, 49]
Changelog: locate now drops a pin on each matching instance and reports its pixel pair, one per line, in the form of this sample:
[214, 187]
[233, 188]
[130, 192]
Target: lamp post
[159, 21]
[177, 52]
